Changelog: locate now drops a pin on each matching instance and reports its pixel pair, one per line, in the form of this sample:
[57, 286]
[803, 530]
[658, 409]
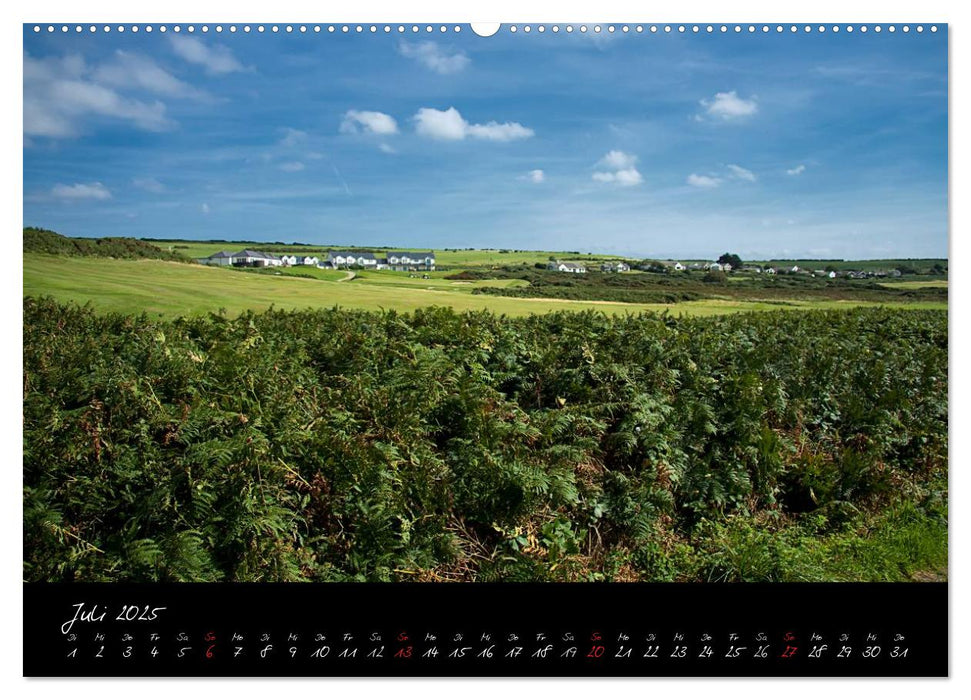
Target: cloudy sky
[662, 145]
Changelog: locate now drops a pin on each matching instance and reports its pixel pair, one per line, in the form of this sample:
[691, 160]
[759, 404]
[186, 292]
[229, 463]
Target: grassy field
[444, 258]
[915, 284]
[184, 289]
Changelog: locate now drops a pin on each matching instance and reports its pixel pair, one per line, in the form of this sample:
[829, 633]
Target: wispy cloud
[360, 121]
[798, 170]
[205, 208]
[728, 106]
[80, 191]
[293, 166]
[741, 173]
[618, 167]
[292, 137]
[149, 184]
[214, 58]
[130, 70]
[703, 181]
[449, 125]
[434, 57]
[59, 93]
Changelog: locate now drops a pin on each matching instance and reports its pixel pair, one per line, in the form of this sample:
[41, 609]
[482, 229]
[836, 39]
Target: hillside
[39, 240]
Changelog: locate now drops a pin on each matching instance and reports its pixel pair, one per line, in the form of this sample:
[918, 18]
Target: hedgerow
[346, 445]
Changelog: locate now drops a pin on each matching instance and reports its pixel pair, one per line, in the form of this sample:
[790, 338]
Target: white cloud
[625, 178]
[292, 137]
[292, 167]
[742, 173]
[205, 208]
[60, 92]
[216, 59]
[729, 106]
[129, 70]
[149, 184]
[535, 176]
[449, 125]
[617, 160]
[92, 190]
[798, 170]
[385, 148]
[703, 180]
[357, 121]
[618, 167]
[434, 57]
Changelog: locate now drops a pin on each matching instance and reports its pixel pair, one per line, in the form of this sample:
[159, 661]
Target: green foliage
[341, 445]
[38, 240]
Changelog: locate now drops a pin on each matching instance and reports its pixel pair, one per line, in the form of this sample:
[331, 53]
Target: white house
[407, 260]
[575, 268]
[714, 267]
[615, 267]
[254, 258]
[679, 267]
[221, 258]
[288, 259]
[347, 258]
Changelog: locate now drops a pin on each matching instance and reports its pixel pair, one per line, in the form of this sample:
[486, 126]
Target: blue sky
[655, 145]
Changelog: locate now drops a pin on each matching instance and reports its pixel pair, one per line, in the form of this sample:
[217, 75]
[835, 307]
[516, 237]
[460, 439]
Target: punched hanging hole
[485, 29]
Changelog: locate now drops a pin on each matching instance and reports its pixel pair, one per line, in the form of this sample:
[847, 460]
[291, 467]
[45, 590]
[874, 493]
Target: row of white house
[395, 260]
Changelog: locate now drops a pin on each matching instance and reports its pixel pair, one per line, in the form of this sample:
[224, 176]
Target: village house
[291, 259]
[346, 258]
[615, 267]
[221, 258]
[244, 258]
[404, 260]
[558, 266]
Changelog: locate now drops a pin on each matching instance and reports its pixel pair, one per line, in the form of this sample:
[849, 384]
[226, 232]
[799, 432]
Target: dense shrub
[348, 445]
[38, 240]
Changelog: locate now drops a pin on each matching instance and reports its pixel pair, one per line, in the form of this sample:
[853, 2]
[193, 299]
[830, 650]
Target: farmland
[441, 446]
[176, 289]
[494, 422]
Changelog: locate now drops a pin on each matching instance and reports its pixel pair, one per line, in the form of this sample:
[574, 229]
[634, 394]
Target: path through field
[348, 277]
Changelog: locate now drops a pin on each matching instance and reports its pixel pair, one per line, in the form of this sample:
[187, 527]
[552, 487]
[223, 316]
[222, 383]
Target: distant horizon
[753, 258]
[792, 145]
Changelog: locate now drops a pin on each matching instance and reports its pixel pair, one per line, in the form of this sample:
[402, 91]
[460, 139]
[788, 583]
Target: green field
[915, 284]
[443, 258]
[183, 289]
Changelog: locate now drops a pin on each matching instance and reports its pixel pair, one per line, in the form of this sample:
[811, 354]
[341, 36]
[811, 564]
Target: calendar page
[424, 349]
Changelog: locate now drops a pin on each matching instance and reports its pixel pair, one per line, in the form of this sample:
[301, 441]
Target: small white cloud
[205, 208]
[149, 184]
[313, 155]
[798, 170]
[703, 181]
[534, 176]
[434, 57]
[729, 106]
[292, 137]
[357, 121]
[292, 167]
[215, 58]
[618, 168]
[449, 125]
[617, 160]
[625, 178]
[92, 190]
[385, 148]
[742, 173]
